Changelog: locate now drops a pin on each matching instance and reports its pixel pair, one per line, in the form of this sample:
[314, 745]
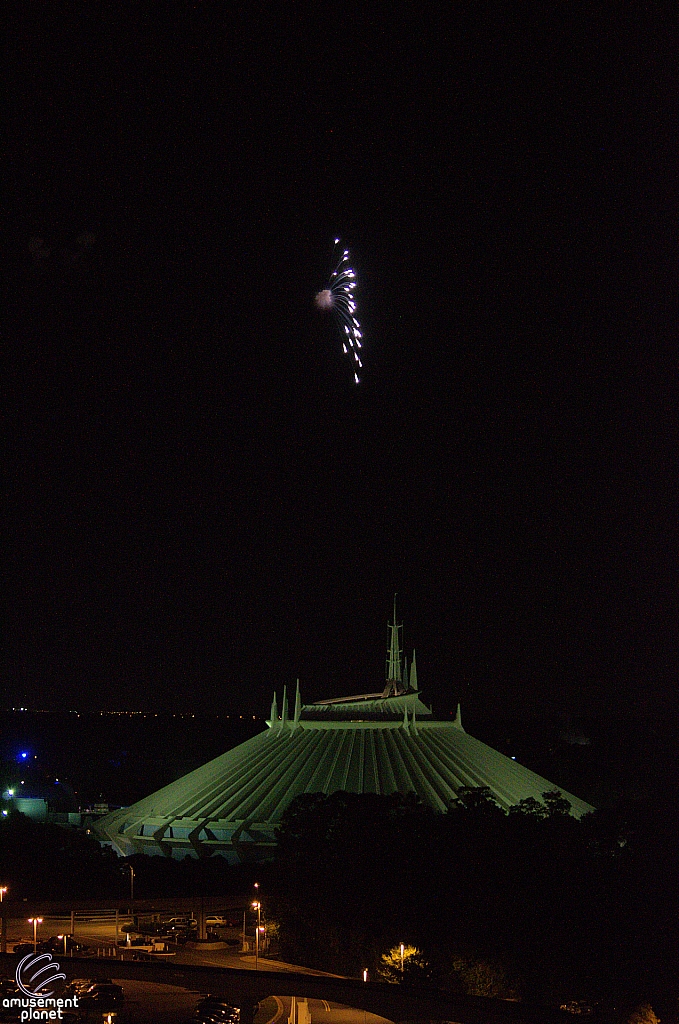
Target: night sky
[198, 504]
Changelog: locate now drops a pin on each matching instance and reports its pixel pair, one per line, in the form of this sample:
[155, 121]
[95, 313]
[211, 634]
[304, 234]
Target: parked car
[216, 921]
[55, 944]
[213, 1010]
[154, 928]
[101, 996]
[23, 948]
[178, 933]
[79, 986]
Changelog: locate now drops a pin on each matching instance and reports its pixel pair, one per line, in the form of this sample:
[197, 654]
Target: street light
[256, 905]
[402, 950]
[35, 921]
[131, 883]
[3, 890]
[64, 937]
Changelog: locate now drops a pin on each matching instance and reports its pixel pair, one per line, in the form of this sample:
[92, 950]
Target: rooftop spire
[274, 713]
[394, 651]
[298, 705]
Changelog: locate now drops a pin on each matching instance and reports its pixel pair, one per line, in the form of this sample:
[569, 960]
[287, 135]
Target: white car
[215, 921]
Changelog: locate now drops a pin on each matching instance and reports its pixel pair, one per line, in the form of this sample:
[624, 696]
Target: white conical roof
[233, 804]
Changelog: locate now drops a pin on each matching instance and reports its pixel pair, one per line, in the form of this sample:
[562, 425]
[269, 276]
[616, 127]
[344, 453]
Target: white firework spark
[339, 297]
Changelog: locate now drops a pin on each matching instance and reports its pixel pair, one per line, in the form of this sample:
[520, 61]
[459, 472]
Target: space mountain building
[383, 742]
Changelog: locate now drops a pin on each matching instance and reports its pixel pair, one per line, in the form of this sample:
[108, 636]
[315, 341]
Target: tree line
[527, 903]
[530, 903]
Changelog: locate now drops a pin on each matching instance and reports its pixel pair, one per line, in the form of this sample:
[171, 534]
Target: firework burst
[339, 297]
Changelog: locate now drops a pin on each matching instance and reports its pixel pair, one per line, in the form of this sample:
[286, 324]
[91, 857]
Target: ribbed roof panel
[252, 784]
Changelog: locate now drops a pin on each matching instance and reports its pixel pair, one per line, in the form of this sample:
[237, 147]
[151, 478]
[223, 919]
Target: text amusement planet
[35, 976]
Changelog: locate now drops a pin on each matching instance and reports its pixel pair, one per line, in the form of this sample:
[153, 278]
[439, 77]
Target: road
[148, 1003]
[323, 1012]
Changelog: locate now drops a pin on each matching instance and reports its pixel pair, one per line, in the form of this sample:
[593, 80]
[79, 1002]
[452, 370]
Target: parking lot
[101, 934]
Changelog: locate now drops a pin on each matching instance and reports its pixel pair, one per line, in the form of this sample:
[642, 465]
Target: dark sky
[198, 503]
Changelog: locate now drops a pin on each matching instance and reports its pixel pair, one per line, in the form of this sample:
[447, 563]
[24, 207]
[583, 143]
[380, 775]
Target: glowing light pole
[35, 921]
[258, 907]
[3, 921]
[64, 937]
[402, 950]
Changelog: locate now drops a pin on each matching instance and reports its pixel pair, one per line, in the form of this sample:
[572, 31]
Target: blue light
[24, 754]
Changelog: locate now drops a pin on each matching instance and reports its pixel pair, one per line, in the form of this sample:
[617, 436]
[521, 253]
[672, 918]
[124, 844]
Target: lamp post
[35, 921]
[3, 923]
[402, 950]
[258, 907]
[131, 884]
[64, 937]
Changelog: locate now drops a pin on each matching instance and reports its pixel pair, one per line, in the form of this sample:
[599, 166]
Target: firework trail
[339, 297]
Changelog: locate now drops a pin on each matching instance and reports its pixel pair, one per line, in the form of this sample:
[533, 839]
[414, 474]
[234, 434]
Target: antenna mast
[394, 652]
